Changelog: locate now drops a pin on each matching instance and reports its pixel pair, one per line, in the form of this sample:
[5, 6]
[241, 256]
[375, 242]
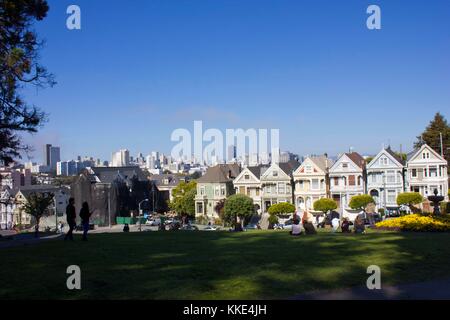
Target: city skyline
[313, 70]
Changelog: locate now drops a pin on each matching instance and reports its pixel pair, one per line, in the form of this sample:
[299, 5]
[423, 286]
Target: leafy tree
[237, 208]
[410, 199]
[360, 202]
[183, 198]
[219, 208]
[37, 206]
[325, 205]
[282, 208]
[19, 67]
[431, 135]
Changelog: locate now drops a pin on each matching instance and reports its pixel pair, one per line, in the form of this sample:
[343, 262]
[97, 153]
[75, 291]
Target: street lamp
[140, 213]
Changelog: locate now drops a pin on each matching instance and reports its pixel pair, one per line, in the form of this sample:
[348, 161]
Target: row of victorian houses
[301, 184]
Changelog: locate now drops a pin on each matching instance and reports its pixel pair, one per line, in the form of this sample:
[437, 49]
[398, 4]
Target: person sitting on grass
[308, 223]
[296, 228]
[345, 227]
[359, 225]
[126, 228]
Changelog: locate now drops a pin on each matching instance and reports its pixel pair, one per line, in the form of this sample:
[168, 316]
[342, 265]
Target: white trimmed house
[311, 182]
[347, 178]
[427, 171]
[248, 182]
[385, 179]
[277, 184]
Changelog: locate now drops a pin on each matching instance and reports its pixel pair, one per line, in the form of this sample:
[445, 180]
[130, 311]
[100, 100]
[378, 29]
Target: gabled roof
[357, 159]
[321, 162]
[109, 174]
[394, 155]
[289, 167]
[159, 179]
[413, 153]
[26, 191]
[220, 173]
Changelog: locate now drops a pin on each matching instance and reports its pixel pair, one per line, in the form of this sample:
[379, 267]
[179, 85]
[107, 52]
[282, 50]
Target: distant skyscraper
[231, 153]
[121, 158]
[52, 155]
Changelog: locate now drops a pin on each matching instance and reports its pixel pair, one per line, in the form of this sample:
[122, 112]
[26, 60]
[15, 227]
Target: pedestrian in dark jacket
[71, 219]
[85, 214]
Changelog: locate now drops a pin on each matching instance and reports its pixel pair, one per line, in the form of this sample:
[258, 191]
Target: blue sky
[137, 71]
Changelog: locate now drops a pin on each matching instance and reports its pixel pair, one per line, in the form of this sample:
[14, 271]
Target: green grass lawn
[218, 265]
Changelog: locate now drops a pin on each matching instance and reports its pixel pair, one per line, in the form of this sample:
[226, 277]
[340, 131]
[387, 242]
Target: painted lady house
[347, 178]
[277, 184]
[215, 185]
[385, 179]
[427, 171]
[311, 182]
[248, 182]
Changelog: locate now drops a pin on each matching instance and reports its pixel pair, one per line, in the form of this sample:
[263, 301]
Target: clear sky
[139, 69]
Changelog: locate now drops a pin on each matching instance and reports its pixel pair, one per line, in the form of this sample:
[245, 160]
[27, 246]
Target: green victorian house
[215, 185]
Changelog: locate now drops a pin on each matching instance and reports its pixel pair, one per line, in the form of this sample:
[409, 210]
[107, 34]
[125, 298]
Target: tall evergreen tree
[431, 135]
[19, 67]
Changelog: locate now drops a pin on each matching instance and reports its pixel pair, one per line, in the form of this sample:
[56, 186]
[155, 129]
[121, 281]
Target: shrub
[445, 207]
[281, 208]
[410, 199]
[360, 201]
[417, 222]
[273, 219]
[325, 205]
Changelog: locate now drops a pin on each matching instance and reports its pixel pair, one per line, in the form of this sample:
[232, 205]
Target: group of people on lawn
[307, 222]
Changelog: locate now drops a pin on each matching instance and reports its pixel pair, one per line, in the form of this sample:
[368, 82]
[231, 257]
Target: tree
[19, 68]
[219, 208]
[282, 208]
[431, 135]
[410, 199]
[38, 206]
[183, 198]
[325, 205]
[360, 202]
[237, 208]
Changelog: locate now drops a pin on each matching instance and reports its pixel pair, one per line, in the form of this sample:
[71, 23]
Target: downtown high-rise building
[52, 155]
[120, 158]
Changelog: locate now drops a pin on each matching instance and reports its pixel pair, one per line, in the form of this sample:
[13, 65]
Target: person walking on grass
[71, 219]
[85, 214]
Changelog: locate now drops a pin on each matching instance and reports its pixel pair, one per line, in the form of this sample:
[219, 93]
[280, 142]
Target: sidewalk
[25, 239]
[428, 290]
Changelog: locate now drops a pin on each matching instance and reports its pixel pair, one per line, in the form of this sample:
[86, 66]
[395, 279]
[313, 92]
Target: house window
[351, 180]
[242, 190]
[390, 177]
[432, 172]
[275, 173]
[336, 181]
[384, 161]
[308, 169]
[344, 165]
[202, 191]
[199, 207]
[247, 177]
[222, 191]
[217, 191]
[315, 184]
[391, 196]
[257, 192]
[281, 188]
[414, 173]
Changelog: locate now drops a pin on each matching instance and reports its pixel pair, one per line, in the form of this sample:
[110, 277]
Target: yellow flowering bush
[417, 222]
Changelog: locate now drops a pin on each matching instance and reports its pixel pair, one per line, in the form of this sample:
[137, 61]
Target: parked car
[211, 228]
[251, 226]
[153, 222]
[189, 227]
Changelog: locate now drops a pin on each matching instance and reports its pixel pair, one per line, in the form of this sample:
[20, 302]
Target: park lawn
[218, 265]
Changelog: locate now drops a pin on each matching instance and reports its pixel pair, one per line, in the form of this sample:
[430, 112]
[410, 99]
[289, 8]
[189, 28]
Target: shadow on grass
[218, 265]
